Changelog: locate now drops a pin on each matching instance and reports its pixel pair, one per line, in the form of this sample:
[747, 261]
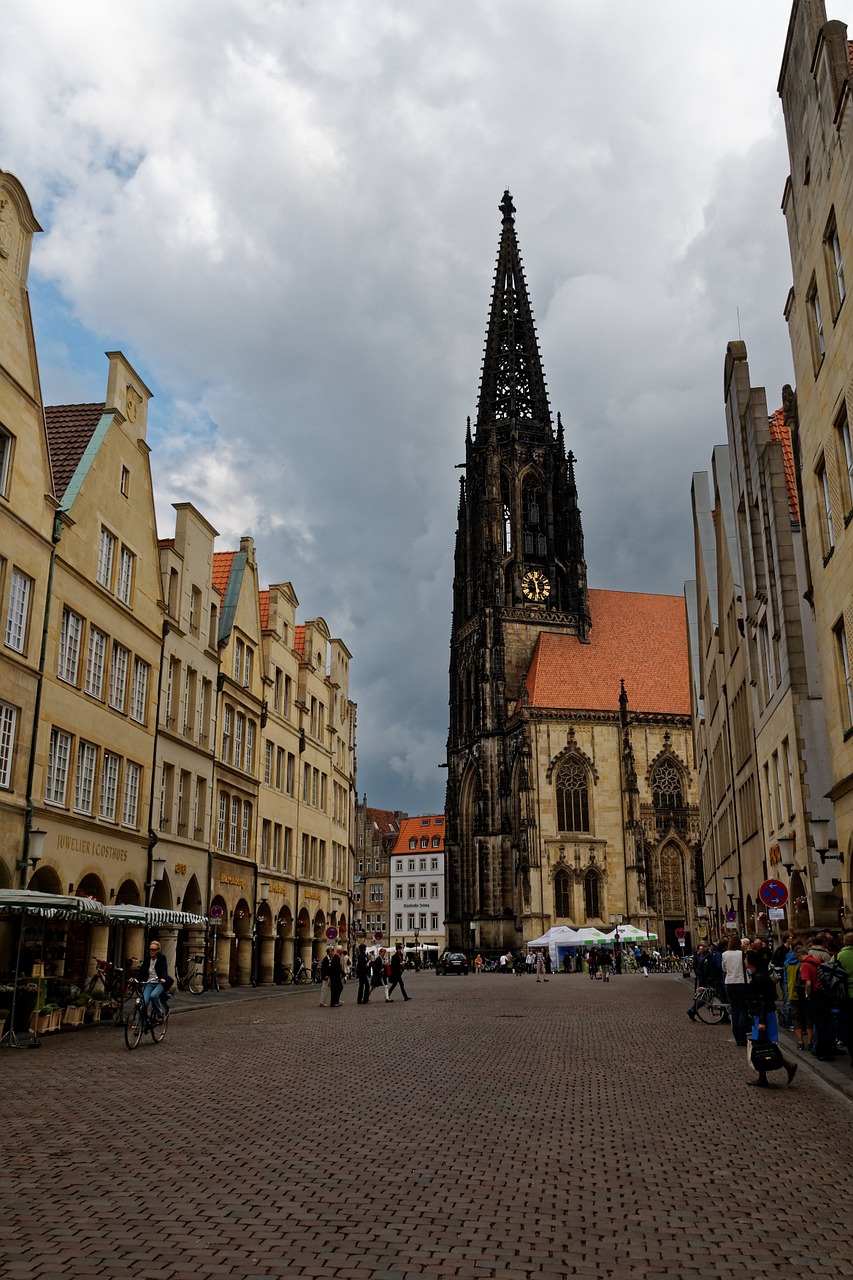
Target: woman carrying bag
[764, 1052]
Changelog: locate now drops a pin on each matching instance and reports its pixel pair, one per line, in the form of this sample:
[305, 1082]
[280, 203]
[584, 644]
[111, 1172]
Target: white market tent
[630, 933]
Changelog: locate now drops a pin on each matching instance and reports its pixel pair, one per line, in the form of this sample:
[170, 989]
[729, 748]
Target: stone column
[266, 958]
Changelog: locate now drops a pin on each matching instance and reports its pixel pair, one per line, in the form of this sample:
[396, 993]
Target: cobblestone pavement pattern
[495, 1128]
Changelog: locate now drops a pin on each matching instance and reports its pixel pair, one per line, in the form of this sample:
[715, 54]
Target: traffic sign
[331, 933]
[215, 912]
[773, 893]
[682, 942]
[776, 913]
[731, 917]
[377, 937]
[680, 933]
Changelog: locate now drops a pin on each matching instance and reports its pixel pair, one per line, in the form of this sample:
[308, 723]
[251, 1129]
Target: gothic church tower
[519, 572]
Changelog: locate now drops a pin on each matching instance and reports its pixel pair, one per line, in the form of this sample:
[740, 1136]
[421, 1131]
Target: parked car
[452, 962]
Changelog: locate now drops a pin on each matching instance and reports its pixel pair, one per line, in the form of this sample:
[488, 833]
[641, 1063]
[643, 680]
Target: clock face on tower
[535, 585]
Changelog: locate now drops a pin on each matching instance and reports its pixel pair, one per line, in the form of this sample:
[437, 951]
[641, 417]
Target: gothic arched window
[590, 895]
[507, 514]
[671, 882]
[572, 797]
[562, 898]
[533, 518]
[667, 790]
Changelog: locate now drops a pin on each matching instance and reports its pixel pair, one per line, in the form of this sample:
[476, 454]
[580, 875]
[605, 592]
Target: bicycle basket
[197, 959]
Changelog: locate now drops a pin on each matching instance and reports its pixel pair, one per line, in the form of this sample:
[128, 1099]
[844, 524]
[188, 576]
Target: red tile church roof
[428, 824]
[641, 639]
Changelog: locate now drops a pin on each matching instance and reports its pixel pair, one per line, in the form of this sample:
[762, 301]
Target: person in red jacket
[819, 1005]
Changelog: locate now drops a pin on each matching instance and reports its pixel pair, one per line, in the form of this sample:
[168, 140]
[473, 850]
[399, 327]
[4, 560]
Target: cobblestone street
[496, 1128]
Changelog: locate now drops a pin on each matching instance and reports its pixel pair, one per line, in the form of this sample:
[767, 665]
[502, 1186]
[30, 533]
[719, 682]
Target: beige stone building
[186, 735]
[27, 522]
[815, 89]
[757, 706]
[376, 833]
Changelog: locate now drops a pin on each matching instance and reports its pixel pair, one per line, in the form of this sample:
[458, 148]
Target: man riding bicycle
[154, 973]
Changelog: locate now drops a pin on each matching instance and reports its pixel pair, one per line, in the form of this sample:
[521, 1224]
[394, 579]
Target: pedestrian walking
[540, 967]
[592, 962]
[845, 959]
[644, 962]
[478, 963]
[398, 960]
[336, 977]
[379, 972]
[819, 1002]
[325, 969]
[734, 973]
[764, 1052]
[617, 960]
[362, 973]
[604, 963]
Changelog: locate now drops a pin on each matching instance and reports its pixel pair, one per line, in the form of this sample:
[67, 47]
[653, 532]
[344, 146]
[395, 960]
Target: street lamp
[417, 934]
[473, 924]
[820, 840]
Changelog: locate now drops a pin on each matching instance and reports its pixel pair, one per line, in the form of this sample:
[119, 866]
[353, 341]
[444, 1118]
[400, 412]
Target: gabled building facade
[758, 711]
[816, 90]
[27, 527]
[418, 888]
[571, 782]
[376, 834]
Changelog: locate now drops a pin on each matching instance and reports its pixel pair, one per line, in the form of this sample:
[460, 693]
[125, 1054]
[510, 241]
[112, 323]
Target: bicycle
[291, 977]
[111, 979]
[143, 1018]
[193, 979]
[709, 1005]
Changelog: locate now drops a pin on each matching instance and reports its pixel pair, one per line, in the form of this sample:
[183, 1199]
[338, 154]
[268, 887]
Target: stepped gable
[70, 427]
[641, 639]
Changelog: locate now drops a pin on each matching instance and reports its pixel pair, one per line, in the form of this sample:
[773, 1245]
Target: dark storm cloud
[286, 215]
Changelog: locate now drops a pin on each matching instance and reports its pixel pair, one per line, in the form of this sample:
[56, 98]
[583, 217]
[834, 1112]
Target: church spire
[512, 389]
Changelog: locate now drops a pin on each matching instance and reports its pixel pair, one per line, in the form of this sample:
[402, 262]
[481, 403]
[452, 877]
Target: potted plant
[41, 1019]
[4, 1014]
[73, 1014]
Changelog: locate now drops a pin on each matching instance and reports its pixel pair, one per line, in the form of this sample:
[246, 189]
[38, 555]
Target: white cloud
[286, 215]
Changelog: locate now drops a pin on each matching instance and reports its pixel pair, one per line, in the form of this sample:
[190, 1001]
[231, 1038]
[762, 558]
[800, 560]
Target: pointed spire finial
[506, 207]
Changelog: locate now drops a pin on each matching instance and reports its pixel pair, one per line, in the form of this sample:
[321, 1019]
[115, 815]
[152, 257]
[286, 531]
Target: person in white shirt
[734, 975]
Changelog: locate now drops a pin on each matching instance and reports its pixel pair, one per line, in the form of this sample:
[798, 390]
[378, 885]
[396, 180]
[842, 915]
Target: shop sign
[236, 880]
[180, 868]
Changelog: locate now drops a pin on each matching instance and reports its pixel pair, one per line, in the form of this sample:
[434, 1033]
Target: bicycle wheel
[710, 1010]
[133, 1028]
[286, 976]
[196, 982]
[159, 1027]
[304, 975]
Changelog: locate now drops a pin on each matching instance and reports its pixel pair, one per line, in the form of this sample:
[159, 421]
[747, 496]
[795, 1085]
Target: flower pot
[55, 1020]
[72, 1016]
[40, 1023]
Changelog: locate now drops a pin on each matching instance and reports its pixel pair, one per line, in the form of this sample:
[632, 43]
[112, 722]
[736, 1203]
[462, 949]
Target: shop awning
[52, 904]
[128, 913]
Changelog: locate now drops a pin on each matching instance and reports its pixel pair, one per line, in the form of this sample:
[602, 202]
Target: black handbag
[766, 1056]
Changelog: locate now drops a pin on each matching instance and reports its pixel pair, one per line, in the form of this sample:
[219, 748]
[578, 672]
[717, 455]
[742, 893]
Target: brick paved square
[492, 1128]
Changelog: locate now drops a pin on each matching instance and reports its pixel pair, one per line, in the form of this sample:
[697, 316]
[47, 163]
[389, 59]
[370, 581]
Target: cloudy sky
[284, 212]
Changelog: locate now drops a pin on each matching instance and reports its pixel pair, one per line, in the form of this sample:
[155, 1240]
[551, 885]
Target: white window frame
[106, 559]
[8, 725]
[130, 797]
[119, 662]
[17, 616]
[5, 459]
[96, 652]
[124, 587]
[59, 755]
[109, 786]
[70, 633]
[84, 781]
[139, 691]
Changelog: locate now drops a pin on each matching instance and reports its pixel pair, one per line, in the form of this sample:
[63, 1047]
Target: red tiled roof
[384, 820]
[69, 429]
[165, 542]
[641, 639]
[779, 431]
[264, 602]
[428, 824]
[299, 640]
[222, 570]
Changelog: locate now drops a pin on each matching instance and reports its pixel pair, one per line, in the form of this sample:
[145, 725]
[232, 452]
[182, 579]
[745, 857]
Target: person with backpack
[778, 959]
[819, 1001]
[362, 973]
[794, 988]
[845, 959]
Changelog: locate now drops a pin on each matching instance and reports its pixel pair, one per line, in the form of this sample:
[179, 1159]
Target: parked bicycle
[193, 979]
[296, 976]
[144, 1018]
[110, 977]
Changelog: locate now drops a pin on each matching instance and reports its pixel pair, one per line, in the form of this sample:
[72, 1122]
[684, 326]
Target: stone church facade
[571, 793]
